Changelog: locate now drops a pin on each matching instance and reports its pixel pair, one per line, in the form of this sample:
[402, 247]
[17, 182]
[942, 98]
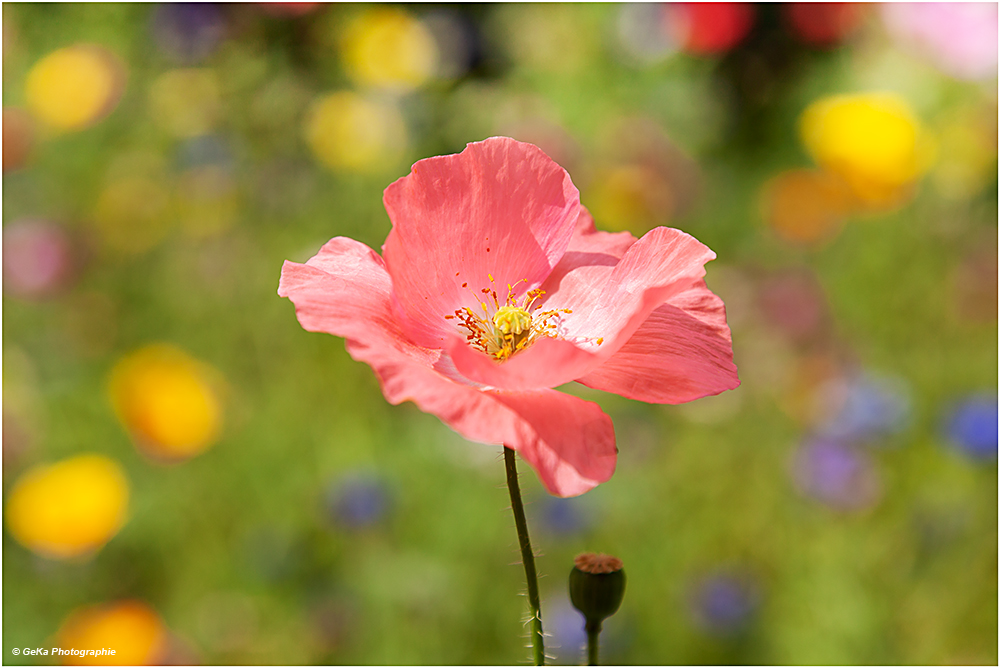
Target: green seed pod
[597, 587]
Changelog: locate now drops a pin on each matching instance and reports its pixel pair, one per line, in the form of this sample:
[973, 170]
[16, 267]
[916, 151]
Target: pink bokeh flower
[494, 287]
[959, 38]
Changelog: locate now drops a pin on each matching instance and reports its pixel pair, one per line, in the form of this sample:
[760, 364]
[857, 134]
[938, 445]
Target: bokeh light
[131, 628]
[972, 427]
[805, 206]
[958, 37]
[547, 135]
[188, 32]
[823, 23]
[74, 87]
[227, 620]
[974, 283]
[871, 140]
[838, 475]
[22, 425]
[967, 157]
[543, 37]
[38, 259]
[70, 508]
[10, 37]
[90, 323]
[18, 137]
[710, 28]
[567, 639]
[349, 132]
[186, 102]
[647, 181]
[18, 437]
[386, 47]
[289, 9]
[810, 372]
[169, 403]
[630, 197]
[723, 604]
[793, 303]
[132, 213]
[863, 407]
[357, 501]
[204, 151]
[567, 517]
[456, 40]
[642, 35]
[207, 201]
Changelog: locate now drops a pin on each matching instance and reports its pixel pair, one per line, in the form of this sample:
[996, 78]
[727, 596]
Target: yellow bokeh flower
[167, 401]
[631, 197]
[349, 132]
[207, 201]
[132, 213]
[74, 87]
[69, 508]
[967, 160]
[186, 102]
[872, 141]
[131, 628]
[388, 48]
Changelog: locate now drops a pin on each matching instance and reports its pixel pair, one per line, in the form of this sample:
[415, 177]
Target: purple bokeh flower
[188, 32]
[565, 627]
[358, 501]
[565, 517]
[972, 426]
[864, 407]
[835, 474]
[723, 604]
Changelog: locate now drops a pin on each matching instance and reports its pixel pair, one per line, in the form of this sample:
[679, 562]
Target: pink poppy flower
[494, 287]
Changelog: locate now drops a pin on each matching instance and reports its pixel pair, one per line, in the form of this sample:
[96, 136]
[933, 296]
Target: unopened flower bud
[597, 587]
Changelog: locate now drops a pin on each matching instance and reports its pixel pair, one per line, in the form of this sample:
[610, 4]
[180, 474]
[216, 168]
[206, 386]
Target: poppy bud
[596, 587]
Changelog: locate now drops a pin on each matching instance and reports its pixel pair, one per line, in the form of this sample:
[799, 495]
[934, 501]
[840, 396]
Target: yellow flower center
[513, 327]
[508, 327]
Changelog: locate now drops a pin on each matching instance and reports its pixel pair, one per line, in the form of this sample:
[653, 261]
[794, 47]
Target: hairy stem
[527, 557]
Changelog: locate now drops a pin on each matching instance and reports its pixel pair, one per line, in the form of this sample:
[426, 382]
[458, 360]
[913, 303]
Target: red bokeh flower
[823, 23]
[494, 287]
[709, 28]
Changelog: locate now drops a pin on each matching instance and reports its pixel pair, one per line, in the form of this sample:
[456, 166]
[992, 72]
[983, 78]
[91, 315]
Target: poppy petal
[682, 352]
[500, 212]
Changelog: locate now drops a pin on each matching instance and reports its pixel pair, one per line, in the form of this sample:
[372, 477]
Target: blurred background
[190, 477]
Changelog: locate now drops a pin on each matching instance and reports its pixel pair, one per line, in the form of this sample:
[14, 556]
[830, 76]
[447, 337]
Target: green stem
[527, 557]
[593, 642]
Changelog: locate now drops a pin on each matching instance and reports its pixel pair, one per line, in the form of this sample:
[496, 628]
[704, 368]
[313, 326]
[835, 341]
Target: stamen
[508, 327]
